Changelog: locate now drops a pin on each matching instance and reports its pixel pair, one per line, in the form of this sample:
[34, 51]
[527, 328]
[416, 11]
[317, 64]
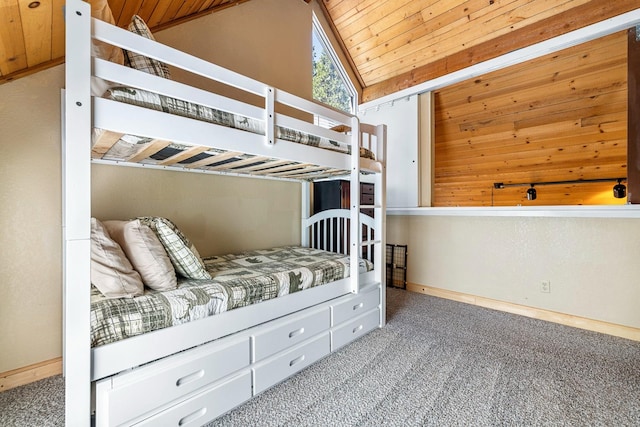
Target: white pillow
[146, 253]
[111, 271]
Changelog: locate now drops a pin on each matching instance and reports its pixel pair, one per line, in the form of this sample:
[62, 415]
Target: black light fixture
[619, 190]
[531, 193]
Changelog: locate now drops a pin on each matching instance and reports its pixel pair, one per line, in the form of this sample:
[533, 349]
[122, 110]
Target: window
[331, 85]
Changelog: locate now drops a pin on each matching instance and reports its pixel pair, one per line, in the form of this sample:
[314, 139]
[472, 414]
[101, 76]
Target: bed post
[305, 213]
[381, 218]
[355, 228]
[76, 215]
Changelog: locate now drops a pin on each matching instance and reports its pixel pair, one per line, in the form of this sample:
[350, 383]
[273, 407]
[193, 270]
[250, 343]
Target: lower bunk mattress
[237, 281]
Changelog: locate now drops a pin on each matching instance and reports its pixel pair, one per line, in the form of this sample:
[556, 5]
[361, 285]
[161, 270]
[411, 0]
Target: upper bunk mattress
[237, 281]
[129, 145]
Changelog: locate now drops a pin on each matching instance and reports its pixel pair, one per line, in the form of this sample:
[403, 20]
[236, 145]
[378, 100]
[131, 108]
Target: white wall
[262, 39]
[30, 219]
[591, 262]
[401, 118]
[219, 214]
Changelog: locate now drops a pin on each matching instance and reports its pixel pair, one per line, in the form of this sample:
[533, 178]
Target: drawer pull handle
[357, 329]
[190, 378]
[296, 332]
[193, 416]
[357, 306]
[296, 360]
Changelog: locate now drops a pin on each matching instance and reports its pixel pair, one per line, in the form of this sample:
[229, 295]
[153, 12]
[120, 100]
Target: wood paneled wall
[560, 117]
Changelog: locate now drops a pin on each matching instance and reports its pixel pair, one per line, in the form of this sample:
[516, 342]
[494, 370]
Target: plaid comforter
[237, 281]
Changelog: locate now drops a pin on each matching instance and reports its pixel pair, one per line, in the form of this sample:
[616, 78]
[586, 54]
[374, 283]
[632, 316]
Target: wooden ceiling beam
[573, 19]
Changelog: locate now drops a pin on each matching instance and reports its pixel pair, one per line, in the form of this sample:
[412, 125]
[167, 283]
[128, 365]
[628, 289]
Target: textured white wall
[30, 220]
[591, 262]
[219, 214]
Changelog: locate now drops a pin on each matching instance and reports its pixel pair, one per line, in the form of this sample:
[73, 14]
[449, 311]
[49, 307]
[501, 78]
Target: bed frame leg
[76, 215]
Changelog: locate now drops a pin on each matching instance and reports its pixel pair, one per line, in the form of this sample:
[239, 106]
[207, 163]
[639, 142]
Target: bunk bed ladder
[355, 229]
[380, 202]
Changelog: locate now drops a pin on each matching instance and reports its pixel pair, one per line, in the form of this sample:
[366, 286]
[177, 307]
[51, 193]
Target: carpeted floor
[437, 362]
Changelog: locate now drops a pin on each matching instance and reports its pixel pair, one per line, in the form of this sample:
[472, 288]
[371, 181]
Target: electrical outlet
[545, 286]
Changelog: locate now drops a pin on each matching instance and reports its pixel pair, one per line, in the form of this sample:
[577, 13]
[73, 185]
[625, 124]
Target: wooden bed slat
[302, 171]
[104, 143]
[214, 159]
[148, 150]
[268, 165]
[235, 164]
[251, 167]
[288, 167]
[184, 155]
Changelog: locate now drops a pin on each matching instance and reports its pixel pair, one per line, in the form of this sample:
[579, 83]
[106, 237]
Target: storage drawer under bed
[281, 366]
[205, 406]
[287, 332]
[127, 395]
[354, 306]
[354, 329]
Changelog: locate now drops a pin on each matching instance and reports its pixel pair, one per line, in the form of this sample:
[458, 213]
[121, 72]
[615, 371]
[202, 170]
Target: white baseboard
[536, 313]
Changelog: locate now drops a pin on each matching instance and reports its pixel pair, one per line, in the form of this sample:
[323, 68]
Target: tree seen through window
[329, 85]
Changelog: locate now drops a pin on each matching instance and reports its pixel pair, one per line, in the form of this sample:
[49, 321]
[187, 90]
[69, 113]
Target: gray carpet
[36, 404]
[439, 363]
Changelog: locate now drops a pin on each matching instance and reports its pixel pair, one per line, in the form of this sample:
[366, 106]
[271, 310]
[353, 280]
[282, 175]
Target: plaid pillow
[183, 255]
[141, 62]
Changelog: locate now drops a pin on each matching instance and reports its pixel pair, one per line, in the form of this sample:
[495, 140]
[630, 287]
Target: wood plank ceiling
[32, 32]
[395, 44]
[391, 44]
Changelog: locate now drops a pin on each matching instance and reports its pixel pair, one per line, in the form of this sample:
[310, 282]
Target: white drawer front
[354, 329]
[289, 332]
[144, 389]
[282, 366]
[205, 406]
[354, 306]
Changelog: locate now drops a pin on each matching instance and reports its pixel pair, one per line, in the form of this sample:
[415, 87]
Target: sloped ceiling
[395, 44]
[391, 44]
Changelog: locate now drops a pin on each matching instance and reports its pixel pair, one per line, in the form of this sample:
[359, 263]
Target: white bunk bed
[192, 373]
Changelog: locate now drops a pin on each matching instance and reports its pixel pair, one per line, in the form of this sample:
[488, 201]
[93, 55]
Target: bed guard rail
[271, 97]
